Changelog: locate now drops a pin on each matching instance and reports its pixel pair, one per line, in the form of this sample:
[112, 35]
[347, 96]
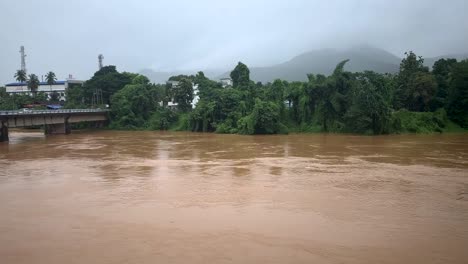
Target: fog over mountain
[324, 61]
[209, 35]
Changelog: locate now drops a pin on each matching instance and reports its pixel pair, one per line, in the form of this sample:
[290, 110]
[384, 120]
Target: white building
[173, 104]
[59, 87]
[226, 82]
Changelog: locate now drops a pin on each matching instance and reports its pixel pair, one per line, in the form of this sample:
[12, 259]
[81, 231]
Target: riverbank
[402, 122]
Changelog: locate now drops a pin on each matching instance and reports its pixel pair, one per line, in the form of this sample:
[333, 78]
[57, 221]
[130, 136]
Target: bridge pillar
[54, 129]
[3, 131]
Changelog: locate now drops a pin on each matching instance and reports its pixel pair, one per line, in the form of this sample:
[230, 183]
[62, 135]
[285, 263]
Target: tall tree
[458, 94]
[333, 96]
[442, 70]
[183, 94]
[108, 81]
[421, 87]
[50, 79]
[410, 65]
[370, 110]
[20, 76]
[33, 83]
[241, 76]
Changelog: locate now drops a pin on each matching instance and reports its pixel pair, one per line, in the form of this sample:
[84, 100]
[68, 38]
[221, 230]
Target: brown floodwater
[166, 197]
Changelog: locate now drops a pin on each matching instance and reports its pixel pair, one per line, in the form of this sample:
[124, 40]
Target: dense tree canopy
[133, 105]
[107, 81]
[183, 94]
[241, 76]
[458, 94]
[414, 100]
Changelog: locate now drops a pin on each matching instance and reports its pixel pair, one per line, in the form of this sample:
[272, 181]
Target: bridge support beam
[54, 129]
[3, 131]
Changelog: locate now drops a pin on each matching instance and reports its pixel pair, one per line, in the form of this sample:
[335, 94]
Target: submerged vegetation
[416, 100]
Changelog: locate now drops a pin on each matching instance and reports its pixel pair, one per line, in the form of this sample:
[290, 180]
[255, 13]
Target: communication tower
[100, 58]
[23, 59]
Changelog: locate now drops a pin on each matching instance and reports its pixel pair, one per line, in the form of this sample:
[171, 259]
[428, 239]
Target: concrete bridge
[54, 121]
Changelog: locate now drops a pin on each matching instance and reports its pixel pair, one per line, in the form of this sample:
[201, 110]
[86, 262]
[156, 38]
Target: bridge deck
[11, 113]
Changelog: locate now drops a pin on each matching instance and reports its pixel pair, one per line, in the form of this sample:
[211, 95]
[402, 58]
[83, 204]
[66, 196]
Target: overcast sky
[67, 36]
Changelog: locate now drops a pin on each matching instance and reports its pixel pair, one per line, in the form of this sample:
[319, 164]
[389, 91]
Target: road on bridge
[54, 121]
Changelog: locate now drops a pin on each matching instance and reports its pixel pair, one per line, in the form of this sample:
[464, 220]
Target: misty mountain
[322, 61]
[162, 77]
[430, 61]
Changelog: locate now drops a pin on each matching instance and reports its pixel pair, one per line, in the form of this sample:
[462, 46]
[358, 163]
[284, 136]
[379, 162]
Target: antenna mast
[23, 59]
[100, 58]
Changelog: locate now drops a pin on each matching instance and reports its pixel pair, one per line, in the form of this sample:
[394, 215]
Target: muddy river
[167, 197]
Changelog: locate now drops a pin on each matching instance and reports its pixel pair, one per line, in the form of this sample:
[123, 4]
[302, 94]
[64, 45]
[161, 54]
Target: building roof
[40, 83]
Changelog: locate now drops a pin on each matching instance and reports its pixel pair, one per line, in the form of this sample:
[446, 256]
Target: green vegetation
[50, 78]
[33, 83]
[415, 100]
[20, 76]
[18, 101]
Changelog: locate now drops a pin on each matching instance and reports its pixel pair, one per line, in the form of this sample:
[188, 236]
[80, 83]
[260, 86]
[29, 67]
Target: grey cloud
[67, 36]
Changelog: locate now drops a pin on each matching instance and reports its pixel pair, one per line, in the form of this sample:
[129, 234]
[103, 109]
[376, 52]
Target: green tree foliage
[50, 78]
[203, 117]
[162, 119]
[333, 103]
[404, 121]
[241, 76]
[370, 111]
[108, 80]
[183, 94]
[6, 101]
[276, 91]
[181, 76]
[458, 94]
[421, 88]
[75, 97]
[33, 83]
[414, 100]
[21, 76]
[135, 104]
[442, 70]
[264, 119]
[409, 66]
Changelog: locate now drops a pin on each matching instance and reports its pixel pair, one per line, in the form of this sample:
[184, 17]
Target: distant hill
[430, 61]
[162, 77]
[324, 62]
[321, 61]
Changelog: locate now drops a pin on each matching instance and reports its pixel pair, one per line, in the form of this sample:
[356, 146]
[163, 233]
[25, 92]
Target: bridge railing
[42, 112]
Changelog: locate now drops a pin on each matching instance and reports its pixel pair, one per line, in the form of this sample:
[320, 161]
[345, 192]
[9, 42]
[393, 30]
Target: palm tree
[50, 79]
[33, 83]
[20, 76]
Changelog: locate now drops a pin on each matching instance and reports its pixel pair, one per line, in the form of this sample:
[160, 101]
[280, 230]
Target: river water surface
[155, 197]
